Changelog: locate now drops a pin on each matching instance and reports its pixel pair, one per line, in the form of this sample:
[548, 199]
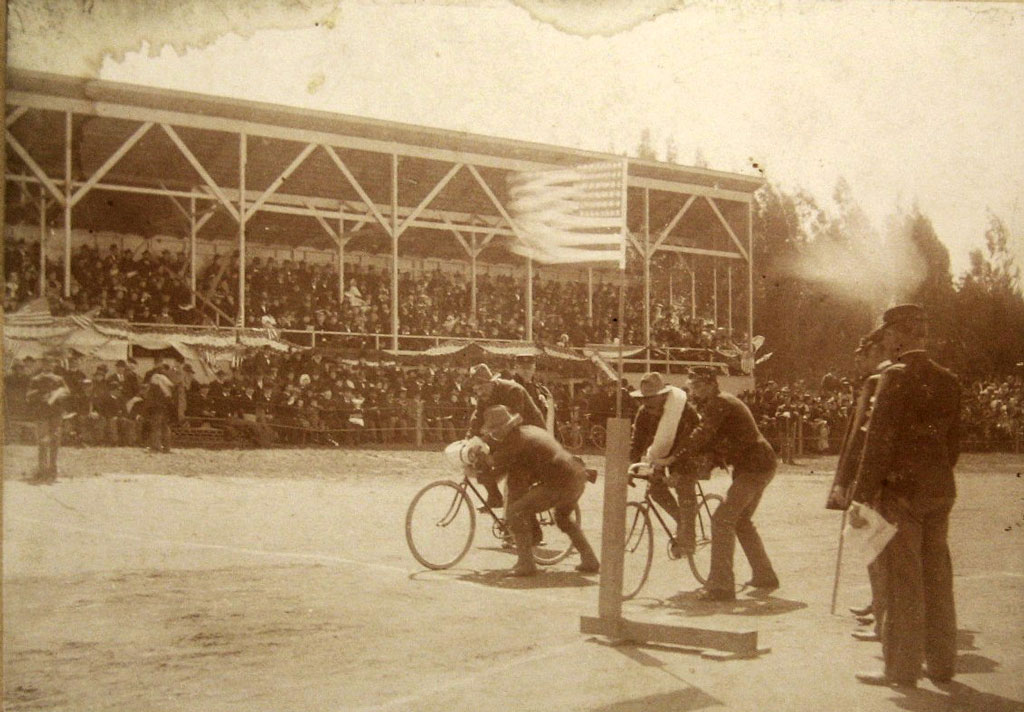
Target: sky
[913, 103]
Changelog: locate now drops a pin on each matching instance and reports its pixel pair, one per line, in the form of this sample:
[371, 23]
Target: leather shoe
[716, 594]
[495, 502]
[882, 680]
[862, 611]
[939, 679]
[772, 583]
[588, 568]
[869, 636]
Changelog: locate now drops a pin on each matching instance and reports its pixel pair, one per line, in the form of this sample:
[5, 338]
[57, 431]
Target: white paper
[867, 530]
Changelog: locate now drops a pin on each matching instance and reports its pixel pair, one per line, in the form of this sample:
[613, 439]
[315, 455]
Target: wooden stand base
[723, 645]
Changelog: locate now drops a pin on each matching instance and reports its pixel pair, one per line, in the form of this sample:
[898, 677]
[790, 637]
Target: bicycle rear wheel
[638, 551]
[700, 559]
[556, 544]
[440, 524]
[598, 435]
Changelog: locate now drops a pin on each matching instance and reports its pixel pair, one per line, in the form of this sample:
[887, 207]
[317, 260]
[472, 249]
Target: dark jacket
[514, 397]
[531, 455]
[728, 428]
[645, 426]
[914, 435]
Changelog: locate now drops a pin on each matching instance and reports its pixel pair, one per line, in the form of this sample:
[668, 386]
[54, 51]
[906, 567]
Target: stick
[839, 561]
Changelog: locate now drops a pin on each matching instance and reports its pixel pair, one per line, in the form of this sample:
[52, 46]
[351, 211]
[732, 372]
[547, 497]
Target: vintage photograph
[597, 355]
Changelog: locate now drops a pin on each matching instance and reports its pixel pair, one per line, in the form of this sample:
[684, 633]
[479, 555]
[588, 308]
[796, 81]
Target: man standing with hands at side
[907, 476]
[728, 427]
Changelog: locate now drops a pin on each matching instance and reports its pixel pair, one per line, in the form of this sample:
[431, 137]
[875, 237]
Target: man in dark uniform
[907, 476]
[48, 397]
[491, 391]
[549, 477]
[728, 428]
[524, 374]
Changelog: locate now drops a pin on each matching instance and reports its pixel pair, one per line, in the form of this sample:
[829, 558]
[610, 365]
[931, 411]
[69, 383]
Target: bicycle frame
[650, 505]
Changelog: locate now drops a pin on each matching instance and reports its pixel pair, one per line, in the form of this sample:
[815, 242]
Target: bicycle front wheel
[700, 559]
[440, 524]
[638, 551]
[555, 545]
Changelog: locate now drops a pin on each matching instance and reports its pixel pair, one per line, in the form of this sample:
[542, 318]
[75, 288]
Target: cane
[839, 562]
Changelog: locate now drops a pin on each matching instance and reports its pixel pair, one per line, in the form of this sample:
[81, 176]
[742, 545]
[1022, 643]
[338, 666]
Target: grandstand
[366, 221]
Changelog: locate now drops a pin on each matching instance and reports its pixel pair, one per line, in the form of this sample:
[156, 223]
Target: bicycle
[442, 516]
[639, 541]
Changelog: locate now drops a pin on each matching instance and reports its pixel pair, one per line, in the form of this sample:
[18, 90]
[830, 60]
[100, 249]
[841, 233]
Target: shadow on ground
[955, 696]
[686, 603]
[545, 578]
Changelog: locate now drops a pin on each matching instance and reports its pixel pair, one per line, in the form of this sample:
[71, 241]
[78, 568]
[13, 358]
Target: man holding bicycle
[728, 426]
[548, 477]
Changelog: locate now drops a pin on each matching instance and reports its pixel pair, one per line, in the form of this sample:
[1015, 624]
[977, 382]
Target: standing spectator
[48, 397]
[159, 404]
[907, 473]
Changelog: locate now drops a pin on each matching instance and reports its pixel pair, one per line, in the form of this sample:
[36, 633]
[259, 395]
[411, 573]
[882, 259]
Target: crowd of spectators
[319, 398]
[301, 296]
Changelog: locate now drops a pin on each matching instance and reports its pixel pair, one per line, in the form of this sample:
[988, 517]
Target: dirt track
[280, 580]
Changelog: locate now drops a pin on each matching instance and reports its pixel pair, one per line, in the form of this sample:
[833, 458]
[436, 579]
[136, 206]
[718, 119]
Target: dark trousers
[560, 496]
[919, 621]
[48, 436]
[733, 520]
[159, 429]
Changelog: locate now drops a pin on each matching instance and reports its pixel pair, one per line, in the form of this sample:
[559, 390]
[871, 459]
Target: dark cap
[703, 373]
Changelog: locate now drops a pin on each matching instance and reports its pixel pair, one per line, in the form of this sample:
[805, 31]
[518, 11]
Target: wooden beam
[34, 167]
[190, 157]
[728, 227]
[689, 188]
[430, 196]
[358, 188]
[272, 188]
[13, 116]
[743, 643]
[675, 221]
[111, 162]
[699, 251]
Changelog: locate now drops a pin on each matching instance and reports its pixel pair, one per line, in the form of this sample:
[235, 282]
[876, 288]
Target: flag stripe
[572, 214]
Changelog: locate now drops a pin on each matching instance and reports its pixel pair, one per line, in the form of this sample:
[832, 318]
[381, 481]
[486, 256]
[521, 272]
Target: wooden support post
[67, 204]
[242, 158]
[42, 242]
[529, 299]
[394, 251]
[192, 246]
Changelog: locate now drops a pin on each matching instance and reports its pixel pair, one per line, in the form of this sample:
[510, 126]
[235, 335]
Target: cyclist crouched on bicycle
[544, 475]
[662, 424]
[491, 391]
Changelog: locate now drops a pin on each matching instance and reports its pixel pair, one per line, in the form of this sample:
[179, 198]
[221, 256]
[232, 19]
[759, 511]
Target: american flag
[33, 313]
[571, 214]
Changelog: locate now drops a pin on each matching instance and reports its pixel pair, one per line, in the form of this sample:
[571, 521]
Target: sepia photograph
[532, 355]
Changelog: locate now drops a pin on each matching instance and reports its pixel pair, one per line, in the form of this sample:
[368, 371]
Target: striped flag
[571, 214]
[34, 313]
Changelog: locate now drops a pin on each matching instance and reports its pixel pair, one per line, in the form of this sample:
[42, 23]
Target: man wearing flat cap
[728, 427]
[491, 391]
[906, 474]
